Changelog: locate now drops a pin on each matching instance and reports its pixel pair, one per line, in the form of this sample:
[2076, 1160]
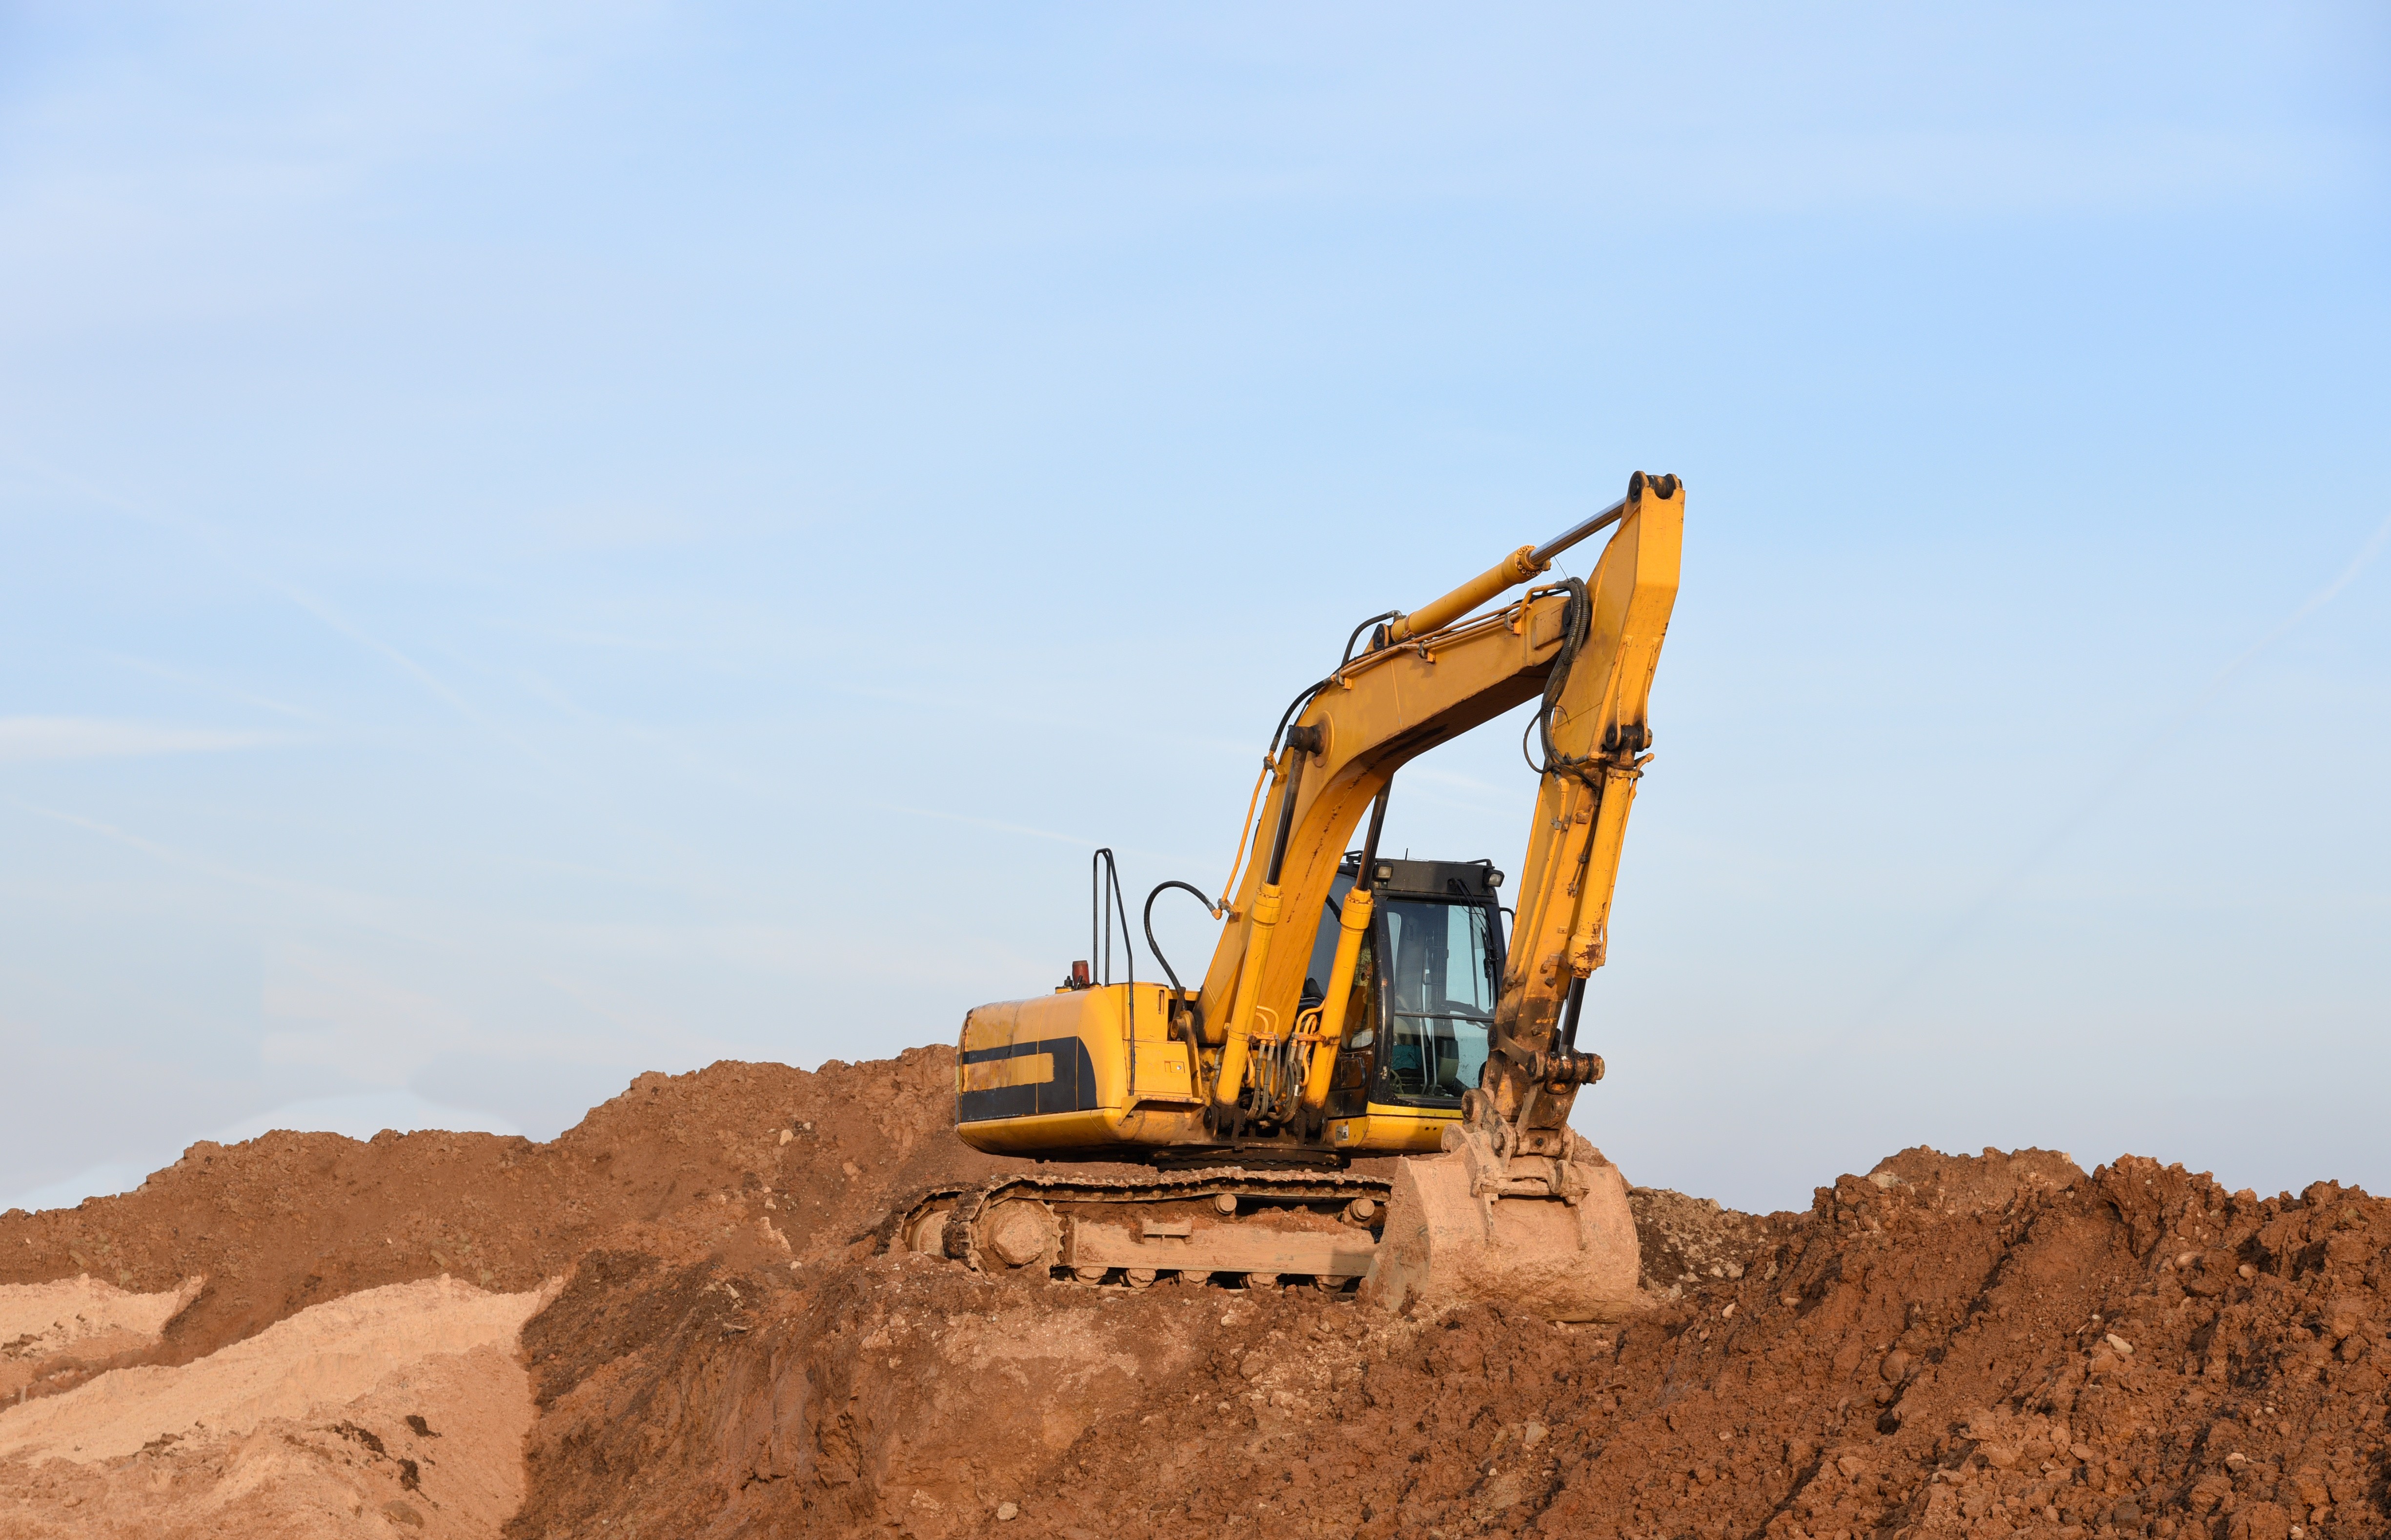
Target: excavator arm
[1511, 1210]
[1586, 651]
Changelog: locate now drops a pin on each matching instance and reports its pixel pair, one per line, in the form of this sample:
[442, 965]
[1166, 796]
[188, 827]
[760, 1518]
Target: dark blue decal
[1073, 1089]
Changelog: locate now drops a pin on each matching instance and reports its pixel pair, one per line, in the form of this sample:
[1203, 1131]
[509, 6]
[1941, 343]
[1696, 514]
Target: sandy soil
[73, 1323]
[324, 1357]
[402, 1405]
[1979, 1346]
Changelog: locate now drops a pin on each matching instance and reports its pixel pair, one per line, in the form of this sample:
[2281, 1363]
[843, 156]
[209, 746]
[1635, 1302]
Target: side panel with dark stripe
[1073, 1089]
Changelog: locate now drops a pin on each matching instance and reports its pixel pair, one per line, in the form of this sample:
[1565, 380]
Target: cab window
[1440, 966]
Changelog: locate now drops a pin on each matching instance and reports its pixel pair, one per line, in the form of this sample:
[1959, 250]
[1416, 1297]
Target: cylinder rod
[1571, 537]
[1366, 877]
[1509, 573]
[1295, 757]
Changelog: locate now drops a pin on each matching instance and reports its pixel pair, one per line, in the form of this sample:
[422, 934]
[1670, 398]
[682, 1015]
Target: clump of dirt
[1686, 1243]
[1981, 1345]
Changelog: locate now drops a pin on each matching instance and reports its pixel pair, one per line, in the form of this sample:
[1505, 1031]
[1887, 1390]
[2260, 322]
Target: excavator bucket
[1556, 1238]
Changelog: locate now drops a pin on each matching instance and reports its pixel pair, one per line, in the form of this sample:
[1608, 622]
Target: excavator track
[1226, 1225]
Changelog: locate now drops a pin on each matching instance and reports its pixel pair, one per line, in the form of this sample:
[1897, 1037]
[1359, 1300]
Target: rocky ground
[678, 1319]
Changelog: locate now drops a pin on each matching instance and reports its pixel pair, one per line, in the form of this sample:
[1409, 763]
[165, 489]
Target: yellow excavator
[1370, 1090]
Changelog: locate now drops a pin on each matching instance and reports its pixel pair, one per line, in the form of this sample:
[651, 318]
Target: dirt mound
[1975, 1346]
[1982, 1345]
[292, 1220]
[302, 1428]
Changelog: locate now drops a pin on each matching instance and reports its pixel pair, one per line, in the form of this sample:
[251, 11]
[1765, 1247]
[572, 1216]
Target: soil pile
[1986, 1347]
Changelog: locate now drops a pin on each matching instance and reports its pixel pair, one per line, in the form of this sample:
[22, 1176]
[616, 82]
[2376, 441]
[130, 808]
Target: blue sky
[548, 546]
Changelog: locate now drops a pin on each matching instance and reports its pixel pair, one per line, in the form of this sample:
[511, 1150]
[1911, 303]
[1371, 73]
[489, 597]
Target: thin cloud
[198, 681]
[2124, 774]
[26, 739]
[220, 544]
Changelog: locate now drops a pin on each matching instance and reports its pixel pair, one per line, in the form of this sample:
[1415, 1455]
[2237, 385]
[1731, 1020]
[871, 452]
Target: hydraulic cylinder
[1352, 924]
[1232, 1079]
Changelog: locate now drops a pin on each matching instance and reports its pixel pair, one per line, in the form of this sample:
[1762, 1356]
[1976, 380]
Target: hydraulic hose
[1155, 946]
[1194, 1007]
[1386, 615]
[1577, 619]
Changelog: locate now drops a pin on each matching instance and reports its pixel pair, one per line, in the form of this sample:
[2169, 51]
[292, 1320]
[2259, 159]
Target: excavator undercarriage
[1554, 1237]
[1227, 1226]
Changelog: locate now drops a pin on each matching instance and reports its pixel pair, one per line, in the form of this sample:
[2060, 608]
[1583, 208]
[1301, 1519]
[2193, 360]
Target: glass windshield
[1441, 995]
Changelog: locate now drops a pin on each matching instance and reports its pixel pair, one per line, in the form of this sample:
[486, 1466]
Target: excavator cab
[1443, 949]
[1419, 1020]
